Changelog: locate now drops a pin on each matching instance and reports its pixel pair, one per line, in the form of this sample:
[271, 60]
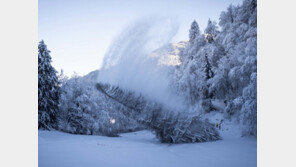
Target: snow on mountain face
[169, 54]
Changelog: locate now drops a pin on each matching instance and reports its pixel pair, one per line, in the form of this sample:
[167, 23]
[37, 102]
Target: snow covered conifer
[193, 32]
[48, 89]
[208, 68]
[211, 31]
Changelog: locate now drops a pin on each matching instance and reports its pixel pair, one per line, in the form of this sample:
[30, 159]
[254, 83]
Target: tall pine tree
[48, 89]
[193, 32]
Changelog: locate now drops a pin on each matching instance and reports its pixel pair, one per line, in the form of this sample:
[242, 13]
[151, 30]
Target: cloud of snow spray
[128, 63]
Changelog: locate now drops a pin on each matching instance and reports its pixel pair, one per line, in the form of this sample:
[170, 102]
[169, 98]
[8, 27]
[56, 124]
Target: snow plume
[128, 62]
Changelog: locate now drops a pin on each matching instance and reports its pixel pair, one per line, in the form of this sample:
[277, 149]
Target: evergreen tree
[206, 94]
[48, 89]
[193, 32]
[208, 69]
[211, 31]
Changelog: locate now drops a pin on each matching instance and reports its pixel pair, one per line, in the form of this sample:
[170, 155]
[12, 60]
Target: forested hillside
[221, 64]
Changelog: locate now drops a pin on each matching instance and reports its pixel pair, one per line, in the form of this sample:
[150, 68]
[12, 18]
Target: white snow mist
[128, 63]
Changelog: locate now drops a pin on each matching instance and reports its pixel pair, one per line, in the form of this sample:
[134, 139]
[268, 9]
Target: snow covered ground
[142, 149]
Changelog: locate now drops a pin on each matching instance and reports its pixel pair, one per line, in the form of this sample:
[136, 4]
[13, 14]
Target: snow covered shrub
[207, 105]
[233, 107]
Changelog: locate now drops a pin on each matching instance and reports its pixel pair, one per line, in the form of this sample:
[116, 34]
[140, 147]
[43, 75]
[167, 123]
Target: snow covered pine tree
[194, 31]
[48, 89]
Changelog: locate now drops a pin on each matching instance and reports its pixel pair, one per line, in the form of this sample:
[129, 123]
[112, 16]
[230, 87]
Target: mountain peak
[169, 54]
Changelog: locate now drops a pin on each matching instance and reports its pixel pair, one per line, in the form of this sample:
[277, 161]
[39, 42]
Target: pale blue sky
[78, 32]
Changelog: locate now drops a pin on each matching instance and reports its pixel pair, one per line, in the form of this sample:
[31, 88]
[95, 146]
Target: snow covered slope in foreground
[141, 149]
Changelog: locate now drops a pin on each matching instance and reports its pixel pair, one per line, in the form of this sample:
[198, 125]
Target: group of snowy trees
[74, 105]
[82, 106]
[221, 64]
[85, 110]
[218, 64]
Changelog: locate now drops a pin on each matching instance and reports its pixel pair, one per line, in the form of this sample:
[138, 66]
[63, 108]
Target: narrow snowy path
[141, 149]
